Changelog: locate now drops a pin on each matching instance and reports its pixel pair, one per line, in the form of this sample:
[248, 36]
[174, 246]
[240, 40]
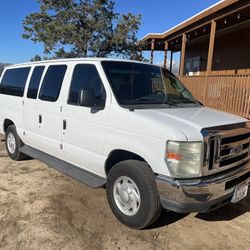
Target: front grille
[211, 156]
[233, 160]
[226, 148]
[235, 138]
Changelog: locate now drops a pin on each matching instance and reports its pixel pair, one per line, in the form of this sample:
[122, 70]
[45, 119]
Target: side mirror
[87, 98]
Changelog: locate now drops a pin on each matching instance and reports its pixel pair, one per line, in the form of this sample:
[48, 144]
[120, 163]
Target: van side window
[35, 81]
[52, 83]
[86, 76]
[14, 80]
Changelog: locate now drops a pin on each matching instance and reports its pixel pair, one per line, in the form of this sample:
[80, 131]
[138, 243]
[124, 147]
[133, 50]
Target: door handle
[64, 125]
[40, 120]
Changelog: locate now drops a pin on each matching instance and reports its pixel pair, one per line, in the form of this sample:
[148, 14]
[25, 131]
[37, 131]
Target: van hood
[190, 121]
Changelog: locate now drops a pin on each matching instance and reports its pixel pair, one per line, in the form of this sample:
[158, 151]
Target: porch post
[183, 52]
[209, 58]
[171, 61]
[211, 47]
[165, 54]
[152, 51]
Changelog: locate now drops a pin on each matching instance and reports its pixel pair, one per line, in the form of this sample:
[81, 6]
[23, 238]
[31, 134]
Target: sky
[157, 16]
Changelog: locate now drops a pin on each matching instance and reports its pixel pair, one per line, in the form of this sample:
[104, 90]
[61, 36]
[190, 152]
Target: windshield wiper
[154, 101]
[170, 103]
[184, 100]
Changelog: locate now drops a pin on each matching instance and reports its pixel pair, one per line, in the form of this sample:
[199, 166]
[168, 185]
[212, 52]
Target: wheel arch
[119, 155]
[6, 124]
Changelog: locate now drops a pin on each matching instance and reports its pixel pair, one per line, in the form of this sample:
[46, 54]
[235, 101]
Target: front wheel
[13, 144]
[132, 194]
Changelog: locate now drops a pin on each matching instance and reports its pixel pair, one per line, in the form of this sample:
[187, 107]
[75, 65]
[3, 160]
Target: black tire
[150, 207]
[16, 155]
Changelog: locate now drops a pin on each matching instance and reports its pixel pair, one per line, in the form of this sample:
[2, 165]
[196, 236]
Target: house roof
[209, 13]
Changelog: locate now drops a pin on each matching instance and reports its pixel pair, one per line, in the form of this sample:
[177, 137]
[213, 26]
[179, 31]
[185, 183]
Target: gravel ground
[41, 208]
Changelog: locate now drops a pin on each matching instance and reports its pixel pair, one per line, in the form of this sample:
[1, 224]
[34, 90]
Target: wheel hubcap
[11, 143]
[127, 196]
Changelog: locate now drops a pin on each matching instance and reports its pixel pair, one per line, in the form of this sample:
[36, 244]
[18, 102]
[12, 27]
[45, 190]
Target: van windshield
[143, 85]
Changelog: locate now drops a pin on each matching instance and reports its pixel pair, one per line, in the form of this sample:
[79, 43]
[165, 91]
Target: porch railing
[230, 93]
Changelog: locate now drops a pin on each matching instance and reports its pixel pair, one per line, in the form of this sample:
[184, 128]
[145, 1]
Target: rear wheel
[132, 194]
[13, 144]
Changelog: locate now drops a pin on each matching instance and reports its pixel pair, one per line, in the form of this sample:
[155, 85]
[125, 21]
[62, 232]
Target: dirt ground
[41, 208]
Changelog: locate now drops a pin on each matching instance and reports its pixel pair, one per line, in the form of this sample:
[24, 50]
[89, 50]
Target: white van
[129, 126]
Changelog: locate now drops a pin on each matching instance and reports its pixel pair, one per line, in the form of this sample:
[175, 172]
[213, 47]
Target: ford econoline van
[129, 126]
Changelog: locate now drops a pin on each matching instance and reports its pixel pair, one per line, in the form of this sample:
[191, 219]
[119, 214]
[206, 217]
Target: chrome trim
[217, 134]
[200, 190]
[230, 145]
[238, 163]
[231, 156]
[234, 132]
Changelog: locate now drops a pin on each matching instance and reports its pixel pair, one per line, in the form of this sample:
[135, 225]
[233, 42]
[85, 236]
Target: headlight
[184, 159]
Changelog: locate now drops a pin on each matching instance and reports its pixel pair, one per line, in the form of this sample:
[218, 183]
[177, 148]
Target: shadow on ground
[167, 218]
[228, 212]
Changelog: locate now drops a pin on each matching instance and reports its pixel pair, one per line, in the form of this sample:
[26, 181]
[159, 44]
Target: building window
[193, 65]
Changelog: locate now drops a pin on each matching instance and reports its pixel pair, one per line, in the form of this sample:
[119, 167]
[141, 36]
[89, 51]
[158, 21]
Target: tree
[36, 58]
[80, 28]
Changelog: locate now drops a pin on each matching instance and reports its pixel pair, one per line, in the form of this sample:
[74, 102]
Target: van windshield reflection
[145, 85]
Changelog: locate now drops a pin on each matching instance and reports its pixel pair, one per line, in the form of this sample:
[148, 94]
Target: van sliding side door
[49, 111]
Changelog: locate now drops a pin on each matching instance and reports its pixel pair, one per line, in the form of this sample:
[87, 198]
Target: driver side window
[86, 76]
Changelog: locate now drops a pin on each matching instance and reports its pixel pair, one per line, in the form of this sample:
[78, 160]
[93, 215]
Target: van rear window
[52, 83]
[13, 81]
[35, 81]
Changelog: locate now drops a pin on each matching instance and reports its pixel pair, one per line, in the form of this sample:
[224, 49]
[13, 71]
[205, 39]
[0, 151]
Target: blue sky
[157, 16]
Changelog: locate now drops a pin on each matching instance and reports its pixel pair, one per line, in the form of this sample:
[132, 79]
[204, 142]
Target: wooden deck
[230, 93]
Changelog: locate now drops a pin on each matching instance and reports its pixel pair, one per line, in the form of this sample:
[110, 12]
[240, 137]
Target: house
[215, 54]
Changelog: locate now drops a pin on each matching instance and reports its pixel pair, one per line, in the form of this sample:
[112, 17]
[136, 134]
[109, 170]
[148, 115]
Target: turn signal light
[174, 156]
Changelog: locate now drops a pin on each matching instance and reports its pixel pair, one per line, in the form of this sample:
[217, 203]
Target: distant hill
[1, 68]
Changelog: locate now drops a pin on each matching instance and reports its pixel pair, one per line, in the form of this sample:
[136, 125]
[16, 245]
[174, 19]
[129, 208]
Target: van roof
[99, 59]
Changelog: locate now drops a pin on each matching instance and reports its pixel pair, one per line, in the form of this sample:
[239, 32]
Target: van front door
[84, 127]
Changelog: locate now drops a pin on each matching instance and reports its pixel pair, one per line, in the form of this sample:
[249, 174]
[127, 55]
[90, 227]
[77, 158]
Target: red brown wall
[231, 51]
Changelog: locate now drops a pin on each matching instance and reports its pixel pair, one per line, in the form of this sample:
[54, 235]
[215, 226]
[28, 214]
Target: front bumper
[202, 194]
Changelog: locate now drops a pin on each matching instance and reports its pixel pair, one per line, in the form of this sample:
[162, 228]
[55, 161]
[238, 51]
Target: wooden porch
[229, 88]
[222, 91]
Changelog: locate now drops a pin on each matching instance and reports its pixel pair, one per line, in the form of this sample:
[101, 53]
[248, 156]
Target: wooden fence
[230, 93]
